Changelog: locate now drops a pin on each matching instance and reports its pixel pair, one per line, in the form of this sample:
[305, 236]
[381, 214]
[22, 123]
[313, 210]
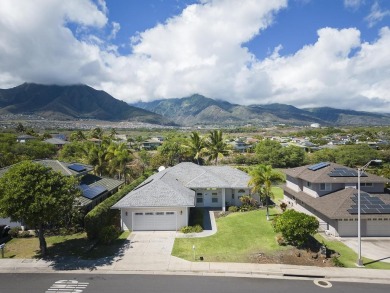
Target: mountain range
[199, 110]
[71, 102]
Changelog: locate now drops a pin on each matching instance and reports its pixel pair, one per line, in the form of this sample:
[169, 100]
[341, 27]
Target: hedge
[103, 216]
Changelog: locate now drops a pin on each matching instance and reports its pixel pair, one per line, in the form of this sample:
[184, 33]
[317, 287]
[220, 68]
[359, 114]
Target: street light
[360, 172]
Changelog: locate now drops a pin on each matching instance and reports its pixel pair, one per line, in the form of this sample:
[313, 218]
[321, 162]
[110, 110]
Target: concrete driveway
[149, 250]
[377, 249]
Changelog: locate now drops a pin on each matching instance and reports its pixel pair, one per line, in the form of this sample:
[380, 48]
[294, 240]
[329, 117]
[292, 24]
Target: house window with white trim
[214, 197]
[308, 184]
[199, 198]
[366, 184]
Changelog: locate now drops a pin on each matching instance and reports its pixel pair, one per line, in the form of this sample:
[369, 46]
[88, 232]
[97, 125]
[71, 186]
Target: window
[308, 184]
[169, 213]
[160, 213]
[214, 197]
[148, 214]
[199, 198]
[232, 195]
[139, 214]
[325, 186]
[366, 184]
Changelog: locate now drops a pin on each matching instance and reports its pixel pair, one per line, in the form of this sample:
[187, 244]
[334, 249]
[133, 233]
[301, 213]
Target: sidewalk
[175, 266]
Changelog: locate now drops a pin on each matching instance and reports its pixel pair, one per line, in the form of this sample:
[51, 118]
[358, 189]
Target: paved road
[45, 283]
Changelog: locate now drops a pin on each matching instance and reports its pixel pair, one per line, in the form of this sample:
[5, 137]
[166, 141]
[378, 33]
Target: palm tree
[216, 147]
[96, 158]
[196, 146]
[262, 178]
[118, 156]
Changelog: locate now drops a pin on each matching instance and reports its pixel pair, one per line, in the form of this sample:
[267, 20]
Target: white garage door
[378, 228]
[347, 228]
[152, 220]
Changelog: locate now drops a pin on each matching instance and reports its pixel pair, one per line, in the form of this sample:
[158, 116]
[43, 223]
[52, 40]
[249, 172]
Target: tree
[262, 178]
[20, 128]
[77, 136]
[196, 146]
[216, 147]
[97, 133]
[296, 227]
[118, 157]
[38, 196]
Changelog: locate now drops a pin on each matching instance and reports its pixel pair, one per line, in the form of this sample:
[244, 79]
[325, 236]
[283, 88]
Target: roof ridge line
[204, 171]
[66, 170]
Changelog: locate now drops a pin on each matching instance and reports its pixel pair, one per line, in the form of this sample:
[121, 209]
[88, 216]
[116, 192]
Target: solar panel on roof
[91, 192]
[318, 166]
[345, 172]
[369, 204]
[77, 167]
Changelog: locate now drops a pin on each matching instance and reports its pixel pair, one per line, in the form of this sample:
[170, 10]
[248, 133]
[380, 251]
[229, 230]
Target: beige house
[329, 192]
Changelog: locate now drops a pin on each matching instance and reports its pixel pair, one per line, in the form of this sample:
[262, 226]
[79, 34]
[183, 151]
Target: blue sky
[307, 53]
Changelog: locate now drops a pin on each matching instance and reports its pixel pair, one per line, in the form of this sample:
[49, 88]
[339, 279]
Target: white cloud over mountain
[202, 50]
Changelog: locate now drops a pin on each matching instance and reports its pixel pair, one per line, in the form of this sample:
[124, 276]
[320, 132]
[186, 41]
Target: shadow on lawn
[78, 254]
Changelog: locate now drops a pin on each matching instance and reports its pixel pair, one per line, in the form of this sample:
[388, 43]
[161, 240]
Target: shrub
[283, 206]
[103, 216]
[337, 263]
[191, 229]
[24, 234]
[233, 209]
[280, 240]
[108, 234]
[14, 232]
[295, 227]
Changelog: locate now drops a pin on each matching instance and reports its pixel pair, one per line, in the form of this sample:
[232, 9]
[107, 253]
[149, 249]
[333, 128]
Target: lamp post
[360, 172]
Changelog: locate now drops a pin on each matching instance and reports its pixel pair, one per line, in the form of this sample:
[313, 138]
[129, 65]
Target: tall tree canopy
[38, 196]
[196, 146]
[262, 178]
[216, 147]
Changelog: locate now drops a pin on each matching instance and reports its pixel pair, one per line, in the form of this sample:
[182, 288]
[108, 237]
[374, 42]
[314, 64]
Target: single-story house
[163, 201]
[329, 192]
[94, 189]
[59, 143]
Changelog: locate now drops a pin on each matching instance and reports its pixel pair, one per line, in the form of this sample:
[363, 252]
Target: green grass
[238, 236]
[348, 257]
[75, 245]
[278, 194]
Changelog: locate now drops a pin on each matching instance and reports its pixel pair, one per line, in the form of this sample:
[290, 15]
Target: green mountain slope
[71, 102]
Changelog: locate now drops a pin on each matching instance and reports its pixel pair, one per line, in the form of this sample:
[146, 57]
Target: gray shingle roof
[56, 141]
[172, 186]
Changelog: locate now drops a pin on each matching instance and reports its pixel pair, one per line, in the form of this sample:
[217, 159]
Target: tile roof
[322, 175]
[172, 186]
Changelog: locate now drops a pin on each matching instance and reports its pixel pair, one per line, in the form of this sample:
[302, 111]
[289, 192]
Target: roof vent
[161, 168]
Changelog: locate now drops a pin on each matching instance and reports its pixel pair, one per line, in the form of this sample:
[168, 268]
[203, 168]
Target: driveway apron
[149, 250]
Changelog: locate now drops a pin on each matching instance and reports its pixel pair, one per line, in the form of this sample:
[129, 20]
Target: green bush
[103, 216]
[191, 229]
[24, 234]
[233, 209]
[337, 263]
[14, 232]
[108, 234]
[283, 206]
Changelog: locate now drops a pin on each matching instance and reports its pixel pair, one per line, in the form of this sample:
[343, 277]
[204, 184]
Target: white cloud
[354, 4]
[199, 51]
[376, 15]
[115, 29]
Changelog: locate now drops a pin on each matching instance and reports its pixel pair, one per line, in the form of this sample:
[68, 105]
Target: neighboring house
[152, 144]
[59, 143]
[94, 188]
[163, 201]
[239, 146]
[329, 192]
[24, 138]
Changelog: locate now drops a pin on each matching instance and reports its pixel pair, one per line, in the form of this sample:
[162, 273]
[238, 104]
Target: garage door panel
[347, 228]
[150, 221]
[378, 228]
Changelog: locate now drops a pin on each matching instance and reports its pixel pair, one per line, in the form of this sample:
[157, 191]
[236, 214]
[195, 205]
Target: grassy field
[76, 245]
[238, 236]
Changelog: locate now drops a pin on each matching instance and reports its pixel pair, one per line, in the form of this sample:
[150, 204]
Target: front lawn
[239, 235]
[74, 245]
